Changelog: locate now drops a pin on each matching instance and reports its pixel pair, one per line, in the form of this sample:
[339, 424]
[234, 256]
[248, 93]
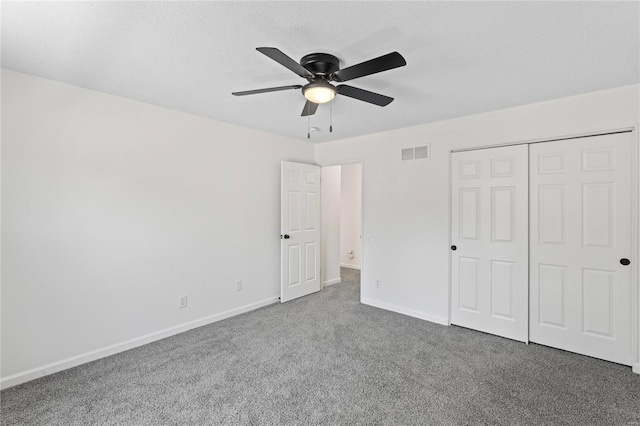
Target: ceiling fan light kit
[319, 92]
[322, 68]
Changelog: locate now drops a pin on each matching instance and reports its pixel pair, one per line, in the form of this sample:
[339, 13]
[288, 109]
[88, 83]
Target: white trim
[74, 361]
[346, 265]
[635, 250]
[636, 367]
[332, 282]
[450, 257]
[406, 311]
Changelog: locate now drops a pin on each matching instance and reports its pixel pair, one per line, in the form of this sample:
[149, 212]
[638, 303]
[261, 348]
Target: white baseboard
[636, 367]
[45, 370]
[406, 311]
[347, 265]
[332, 282]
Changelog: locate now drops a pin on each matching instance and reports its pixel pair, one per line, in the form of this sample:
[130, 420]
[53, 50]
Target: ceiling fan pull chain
[331, 119]
[309, 127]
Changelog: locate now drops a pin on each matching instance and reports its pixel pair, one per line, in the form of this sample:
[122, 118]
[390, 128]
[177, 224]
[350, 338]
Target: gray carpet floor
[327, 359]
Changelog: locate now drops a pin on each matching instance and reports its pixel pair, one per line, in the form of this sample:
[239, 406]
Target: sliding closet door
[490, 241]
[580, 240]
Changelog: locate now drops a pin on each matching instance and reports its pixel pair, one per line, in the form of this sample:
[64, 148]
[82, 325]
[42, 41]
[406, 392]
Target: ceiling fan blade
[309, 109]
[364, 95]
[284, 60]
[373, 66]
[270, 89]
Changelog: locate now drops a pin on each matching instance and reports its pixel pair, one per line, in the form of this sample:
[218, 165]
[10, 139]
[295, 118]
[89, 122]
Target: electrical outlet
[238, 285]
[182, 302]
[378, 283]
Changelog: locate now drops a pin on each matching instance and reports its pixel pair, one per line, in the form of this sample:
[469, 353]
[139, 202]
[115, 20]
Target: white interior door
[300, 230]
[580, 230]
[490, 234]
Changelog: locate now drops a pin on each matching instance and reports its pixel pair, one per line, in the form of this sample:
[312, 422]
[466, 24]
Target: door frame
[635, 216]
[362, 239]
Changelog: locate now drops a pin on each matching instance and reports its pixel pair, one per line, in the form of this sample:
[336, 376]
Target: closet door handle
[454, 248]
[625, 261]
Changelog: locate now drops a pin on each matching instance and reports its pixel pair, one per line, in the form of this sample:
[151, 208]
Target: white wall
[350, 214]
[406, 204]
[112, 209]
[330, 226]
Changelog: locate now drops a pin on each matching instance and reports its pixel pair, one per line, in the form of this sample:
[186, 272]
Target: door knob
[454, 248]
[625, 261]
[285, 236]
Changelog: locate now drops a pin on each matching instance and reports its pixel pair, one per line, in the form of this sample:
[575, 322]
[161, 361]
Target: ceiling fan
[320, 69]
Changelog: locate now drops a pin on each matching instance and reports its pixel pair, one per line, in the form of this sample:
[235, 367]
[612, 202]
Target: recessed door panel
[551, 218]
[503, 167]
[311, 219]
[596, 160]
[469, 169]
[597, 214]
[502, 213]
[551, 295]
[502, 289]
[310, 177]
[310, 261]
[294, 264]
[550, 163]
[470, 213]
[294, 176]
[597, 302]
[295, 211]
[468, 283]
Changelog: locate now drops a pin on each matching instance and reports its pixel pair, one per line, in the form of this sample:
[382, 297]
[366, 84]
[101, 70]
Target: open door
[300, 230]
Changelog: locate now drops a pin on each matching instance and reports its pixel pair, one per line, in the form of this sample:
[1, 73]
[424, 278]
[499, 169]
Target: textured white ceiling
[462, 57]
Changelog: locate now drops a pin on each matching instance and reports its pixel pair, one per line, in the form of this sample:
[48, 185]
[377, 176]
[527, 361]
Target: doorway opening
[341, 212]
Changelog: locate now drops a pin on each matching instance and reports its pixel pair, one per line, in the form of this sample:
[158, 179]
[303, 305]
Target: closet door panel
[490, 232]
[580, 227]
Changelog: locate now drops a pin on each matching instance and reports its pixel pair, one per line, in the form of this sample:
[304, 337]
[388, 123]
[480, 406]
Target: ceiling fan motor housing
[321, 64]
